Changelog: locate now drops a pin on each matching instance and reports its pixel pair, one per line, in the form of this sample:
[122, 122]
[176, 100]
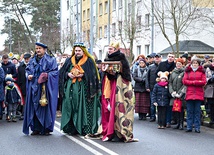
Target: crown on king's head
[115, 45]
[80, 44]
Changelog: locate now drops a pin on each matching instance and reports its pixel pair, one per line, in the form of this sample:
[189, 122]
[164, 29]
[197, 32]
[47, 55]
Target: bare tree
[174, 16]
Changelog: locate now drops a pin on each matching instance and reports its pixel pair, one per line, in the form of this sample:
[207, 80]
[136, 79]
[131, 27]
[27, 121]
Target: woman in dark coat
[209, 90]
[142, 99]
[195, 80]
[175, 89]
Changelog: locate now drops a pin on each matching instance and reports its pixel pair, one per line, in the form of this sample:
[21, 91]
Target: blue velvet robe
[45, 115]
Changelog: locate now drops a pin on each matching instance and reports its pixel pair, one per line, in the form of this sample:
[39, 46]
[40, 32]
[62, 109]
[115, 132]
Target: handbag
[177, 104]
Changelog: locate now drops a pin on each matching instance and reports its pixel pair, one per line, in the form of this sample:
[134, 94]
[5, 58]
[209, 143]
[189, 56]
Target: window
[88, 13]
[114, 5]
[105, 31]
[146, 49]
[120, 27]
[100, 9]
[100, 54]
[138, 22]
[100, 32]
[120, 3]
[147, 20]
[139, 50]
[67, 4]
[113, 29]
[84, 15]
[106, 6]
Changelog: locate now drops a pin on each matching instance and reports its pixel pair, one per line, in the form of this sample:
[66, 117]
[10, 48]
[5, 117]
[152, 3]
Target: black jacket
[139, 81]
[165, 66]
[21, 78]
[9, 68]
[151, 76]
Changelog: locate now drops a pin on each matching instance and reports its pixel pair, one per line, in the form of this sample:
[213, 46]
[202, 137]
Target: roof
[191, 46]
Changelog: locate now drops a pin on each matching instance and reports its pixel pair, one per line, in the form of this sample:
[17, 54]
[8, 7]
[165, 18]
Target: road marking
[88, 140]
[79, 143]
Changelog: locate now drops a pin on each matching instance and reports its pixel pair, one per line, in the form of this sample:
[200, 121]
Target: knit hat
[185, 55]
[180, 60]
[9, 78]
[195, 58]
[142, 60]
[163, 74]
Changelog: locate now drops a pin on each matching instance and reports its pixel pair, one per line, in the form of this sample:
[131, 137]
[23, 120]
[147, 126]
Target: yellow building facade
[100, 18]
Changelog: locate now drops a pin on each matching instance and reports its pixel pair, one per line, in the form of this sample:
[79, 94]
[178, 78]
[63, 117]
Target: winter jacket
[151, 76]
[165, 66]
[195, 82]
[11, 95]
[160, 95]
[21, 78]
[209, 88]
[140, 81]
[9, 68]
[2, 76]
[175, 82]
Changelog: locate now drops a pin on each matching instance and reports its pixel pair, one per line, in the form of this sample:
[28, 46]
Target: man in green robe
[79, 87]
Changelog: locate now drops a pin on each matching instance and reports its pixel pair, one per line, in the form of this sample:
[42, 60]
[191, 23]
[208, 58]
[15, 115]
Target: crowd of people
[100, 98]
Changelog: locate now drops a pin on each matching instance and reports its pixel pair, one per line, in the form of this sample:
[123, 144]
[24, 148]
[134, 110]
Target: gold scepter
[43, 101]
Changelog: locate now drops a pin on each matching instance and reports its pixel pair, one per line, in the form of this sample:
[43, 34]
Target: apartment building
[111, 21]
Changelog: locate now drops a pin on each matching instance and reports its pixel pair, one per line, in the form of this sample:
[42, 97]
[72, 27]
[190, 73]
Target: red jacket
[195, 82]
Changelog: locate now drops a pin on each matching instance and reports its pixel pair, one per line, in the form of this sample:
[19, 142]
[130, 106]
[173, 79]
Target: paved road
[151, 141]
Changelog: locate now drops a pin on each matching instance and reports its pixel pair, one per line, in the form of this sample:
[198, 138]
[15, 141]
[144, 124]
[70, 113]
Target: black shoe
[197, 130]
[177, 126]
[0, 117]
[35, 133]
[189, 130]
[116, 139]
[152, 120]
[144, 118]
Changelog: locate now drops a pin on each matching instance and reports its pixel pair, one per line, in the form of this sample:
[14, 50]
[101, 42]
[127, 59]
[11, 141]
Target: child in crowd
[160, 97]
[12, 98]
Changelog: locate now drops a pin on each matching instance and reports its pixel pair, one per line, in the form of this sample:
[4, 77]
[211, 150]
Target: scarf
[141, 72]
[163, 84]
[194, 69]
[77, 69]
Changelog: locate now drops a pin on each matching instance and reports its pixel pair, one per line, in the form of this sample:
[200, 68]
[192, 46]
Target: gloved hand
[156, 104]
[178, 95]
[109, 107]
[43, 77]
[173, 94]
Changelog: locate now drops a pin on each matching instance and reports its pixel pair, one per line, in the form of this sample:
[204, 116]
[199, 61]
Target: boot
[144, 116]
[181, 127]
[140, 115]
[177, 126]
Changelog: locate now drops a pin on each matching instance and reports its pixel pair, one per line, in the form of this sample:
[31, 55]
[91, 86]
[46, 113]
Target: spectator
[175, 89]
[142, 100]
[195, 80]
[150, 82]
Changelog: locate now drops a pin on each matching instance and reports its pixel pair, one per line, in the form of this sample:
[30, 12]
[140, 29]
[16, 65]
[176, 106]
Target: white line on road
[88, 140]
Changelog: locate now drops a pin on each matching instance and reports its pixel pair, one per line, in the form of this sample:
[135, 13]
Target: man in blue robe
[42, 92]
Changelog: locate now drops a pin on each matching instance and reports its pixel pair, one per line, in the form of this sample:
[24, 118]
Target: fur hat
[163, 75]
[180, 60]
[195, 58]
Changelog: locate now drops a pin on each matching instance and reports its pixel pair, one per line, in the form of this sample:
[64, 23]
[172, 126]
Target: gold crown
[115, 45]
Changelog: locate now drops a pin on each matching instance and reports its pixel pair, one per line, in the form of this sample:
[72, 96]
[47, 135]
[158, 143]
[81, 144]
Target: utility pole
[77, 18]
[152, 24]
[108, 22]
[10, 44]
[91, 28]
